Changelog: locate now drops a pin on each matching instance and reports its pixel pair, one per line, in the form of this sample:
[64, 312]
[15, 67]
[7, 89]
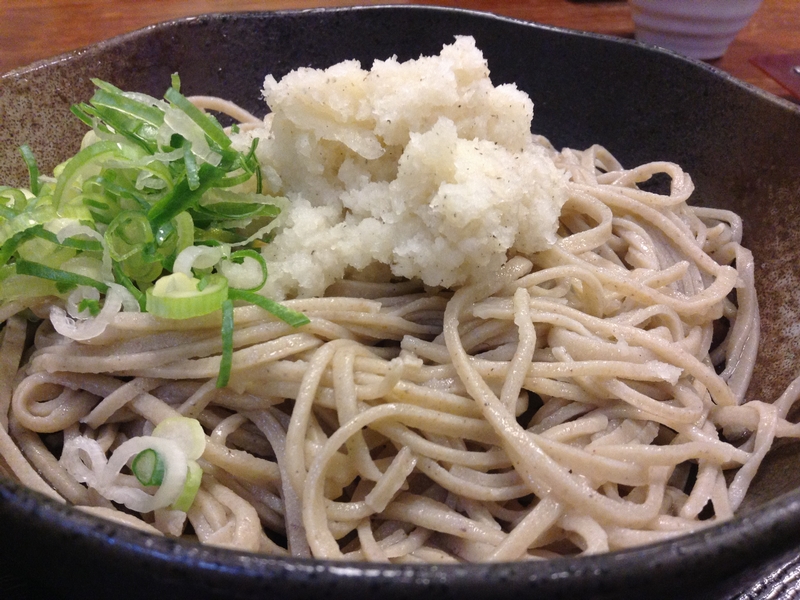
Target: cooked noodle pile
[578, 401]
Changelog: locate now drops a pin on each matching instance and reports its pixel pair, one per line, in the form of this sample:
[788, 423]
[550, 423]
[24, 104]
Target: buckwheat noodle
[581, 400]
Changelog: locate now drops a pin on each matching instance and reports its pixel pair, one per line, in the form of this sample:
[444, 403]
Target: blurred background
[31, 30]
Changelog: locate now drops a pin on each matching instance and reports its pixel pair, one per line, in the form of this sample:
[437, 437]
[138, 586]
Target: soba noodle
[582, 399]
[573, 403]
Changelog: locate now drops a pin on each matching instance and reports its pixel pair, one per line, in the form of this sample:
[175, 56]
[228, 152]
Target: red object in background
[783, 68]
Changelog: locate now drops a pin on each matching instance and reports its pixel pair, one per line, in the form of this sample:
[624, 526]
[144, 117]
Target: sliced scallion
[10, 246]
[91, 305]
[125, 281]
[127, 234]
[148, 467]
[285, 314]
[70, 242]
[33, 168]
[153, 182]
[226, 360]
[115, 99]
[245, 270]
[209, 125]
[194, 476]
[177, 296]
[81, 166]
[186, 432]
[192, 176]
[65, 278]
[181, 197]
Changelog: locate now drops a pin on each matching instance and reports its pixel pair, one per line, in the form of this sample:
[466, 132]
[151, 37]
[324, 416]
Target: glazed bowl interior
[738, 144]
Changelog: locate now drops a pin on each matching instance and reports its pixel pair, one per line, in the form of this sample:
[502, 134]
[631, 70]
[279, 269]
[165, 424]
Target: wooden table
[34, 29]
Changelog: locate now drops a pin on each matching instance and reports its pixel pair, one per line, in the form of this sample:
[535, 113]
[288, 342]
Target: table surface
[31, 30]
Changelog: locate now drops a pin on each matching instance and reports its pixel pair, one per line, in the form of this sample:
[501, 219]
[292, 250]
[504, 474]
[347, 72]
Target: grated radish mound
[423, 166]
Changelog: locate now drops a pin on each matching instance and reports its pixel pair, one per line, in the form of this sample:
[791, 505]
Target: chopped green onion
[17, 287]
[177, 296]
[79, 111]
[192, 176]
[70, 242]
[164, 181]
[79, 167]
[232, 180]
[285, 314]
[38, 249]
[64, 278]
[163, 233]
[7, 213]
[217, 235]
[148, 467]
[10, 246]
[194, 476]
[249, 277]
[93, 306]
[259, 180]
[143, 267]
[226, 359]
[239, 256]
[209, 125]
[127, 234]
[125, 281]
[231, 211]
[181, 197]
[33, 168]
[187, 432]
[184, 226]
[17, 198]
[106, 97]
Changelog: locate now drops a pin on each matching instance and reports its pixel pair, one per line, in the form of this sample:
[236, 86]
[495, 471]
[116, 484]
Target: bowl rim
[757, 527]
[110, 42]
[631, 566]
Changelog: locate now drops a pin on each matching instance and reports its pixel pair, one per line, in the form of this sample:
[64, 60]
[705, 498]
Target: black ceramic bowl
[739, 144]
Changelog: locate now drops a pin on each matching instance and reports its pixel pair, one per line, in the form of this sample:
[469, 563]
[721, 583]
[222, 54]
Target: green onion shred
[227, 344]
[148, 467]
[194, 477]
[153, 177]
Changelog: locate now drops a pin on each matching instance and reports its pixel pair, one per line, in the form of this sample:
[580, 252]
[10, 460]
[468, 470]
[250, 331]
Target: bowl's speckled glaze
[739, 144]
